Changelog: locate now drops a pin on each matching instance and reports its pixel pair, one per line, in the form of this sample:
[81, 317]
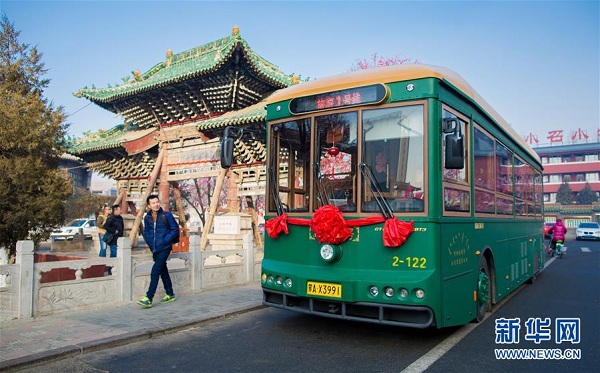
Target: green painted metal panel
[413, 90]
[278, 110]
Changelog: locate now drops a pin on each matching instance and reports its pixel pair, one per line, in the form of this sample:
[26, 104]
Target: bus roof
[396, 73]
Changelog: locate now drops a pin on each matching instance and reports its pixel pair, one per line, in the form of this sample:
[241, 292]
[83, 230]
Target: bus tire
[531, 280]
[483, 289]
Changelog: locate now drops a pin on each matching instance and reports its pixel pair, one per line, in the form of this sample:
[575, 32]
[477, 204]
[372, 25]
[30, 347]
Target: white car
[588, 230]
[69, 231]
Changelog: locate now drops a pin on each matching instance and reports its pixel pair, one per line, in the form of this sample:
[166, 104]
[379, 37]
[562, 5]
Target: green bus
[398, 196]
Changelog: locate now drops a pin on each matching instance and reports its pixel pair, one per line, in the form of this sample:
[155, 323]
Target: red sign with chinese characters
[557, 137]
[367, 95]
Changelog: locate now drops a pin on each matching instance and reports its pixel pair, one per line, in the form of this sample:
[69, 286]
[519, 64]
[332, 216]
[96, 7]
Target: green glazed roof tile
[251, 114]
[571, 209]
[103, 140]
[185, 65]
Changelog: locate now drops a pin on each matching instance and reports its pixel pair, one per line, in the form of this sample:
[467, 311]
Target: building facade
[76, 170]
[577, 164]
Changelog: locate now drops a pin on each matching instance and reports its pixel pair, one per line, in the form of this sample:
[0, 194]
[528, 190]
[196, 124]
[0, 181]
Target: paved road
[266, 340]
[568, 287]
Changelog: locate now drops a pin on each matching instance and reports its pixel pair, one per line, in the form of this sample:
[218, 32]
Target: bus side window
[456, 188]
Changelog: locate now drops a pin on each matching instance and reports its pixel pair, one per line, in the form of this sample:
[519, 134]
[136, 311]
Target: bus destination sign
[367, 95]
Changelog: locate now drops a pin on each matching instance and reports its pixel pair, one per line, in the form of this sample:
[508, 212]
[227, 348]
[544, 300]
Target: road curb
[118, 340]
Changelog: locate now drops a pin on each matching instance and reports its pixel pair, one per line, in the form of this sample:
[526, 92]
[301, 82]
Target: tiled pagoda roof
[107, 152]
[251, 114]
[572, 209]
[193, 94]
[209, 80]
[97, 141]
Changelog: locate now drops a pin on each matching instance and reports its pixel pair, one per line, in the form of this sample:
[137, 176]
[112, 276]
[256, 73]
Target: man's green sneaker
[167, 299]
[145, 302]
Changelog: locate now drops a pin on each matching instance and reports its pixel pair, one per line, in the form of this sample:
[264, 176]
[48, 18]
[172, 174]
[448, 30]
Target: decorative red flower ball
[329, 225]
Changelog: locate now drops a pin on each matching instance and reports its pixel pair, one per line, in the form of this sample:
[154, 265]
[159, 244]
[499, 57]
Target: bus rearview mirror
[450, 125]
[455, 152]
[227, 144]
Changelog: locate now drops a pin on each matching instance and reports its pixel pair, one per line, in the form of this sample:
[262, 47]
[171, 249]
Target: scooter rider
[558, 232]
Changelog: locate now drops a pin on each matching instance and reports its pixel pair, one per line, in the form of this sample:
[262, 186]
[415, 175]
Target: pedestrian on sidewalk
[114, 225]
[160, 231]
[104, 213]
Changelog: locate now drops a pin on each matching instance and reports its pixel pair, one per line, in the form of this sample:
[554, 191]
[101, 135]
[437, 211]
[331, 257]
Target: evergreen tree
[564, 196]
[84, 204]
[32, 135]
[587, 195]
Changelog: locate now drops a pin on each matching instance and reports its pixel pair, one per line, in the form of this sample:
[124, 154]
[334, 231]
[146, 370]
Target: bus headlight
[330, 253]
[403, 293]
[264, 277]
[278, 280]
[288, 282]
[270, 280]
[388, 291]
[420, 293]
[374, 291]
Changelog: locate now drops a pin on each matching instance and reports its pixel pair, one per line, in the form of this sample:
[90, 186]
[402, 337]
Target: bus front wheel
[483, 289]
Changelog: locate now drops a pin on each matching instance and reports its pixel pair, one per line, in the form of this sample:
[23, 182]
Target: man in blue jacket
[160, 231]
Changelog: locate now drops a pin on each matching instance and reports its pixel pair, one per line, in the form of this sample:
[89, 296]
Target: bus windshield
[393, 148]
[337, 154]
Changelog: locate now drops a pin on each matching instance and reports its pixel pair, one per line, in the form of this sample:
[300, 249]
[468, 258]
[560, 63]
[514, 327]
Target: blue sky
[536, 62]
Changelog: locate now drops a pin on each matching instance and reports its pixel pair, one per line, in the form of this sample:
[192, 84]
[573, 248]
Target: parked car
[587, 231]
[71, 229]
[547, 227]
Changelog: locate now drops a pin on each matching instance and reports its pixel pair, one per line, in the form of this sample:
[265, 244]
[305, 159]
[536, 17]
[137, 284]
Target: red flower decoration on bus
[395, 232]
[329, 225]
[276, 225]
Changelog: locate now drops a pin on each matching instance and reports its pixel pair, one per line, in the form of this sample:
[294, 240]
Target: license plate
[324, 289]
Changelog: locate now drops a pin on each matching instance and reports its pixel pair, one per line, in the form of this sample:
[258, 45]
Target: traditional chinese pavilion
[173, 117]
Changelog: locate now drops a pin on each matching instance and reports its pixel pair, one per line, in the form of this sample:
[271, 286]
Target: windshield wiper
[275, 191]
[320, 188]
[382, 202]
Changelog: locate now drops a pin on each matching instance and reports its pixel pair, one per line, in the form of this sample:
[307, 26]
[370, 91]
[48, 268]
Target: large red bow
[277, 225]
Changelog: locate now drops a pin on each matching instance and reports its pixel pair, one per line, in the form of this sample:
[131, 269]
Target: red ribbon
[330, 226]
[395, 232]
[276, 225]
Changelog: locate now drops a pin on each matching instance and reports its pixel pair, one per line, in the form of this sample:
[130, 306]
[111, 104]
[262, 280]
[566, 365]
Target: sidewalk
[24, 342]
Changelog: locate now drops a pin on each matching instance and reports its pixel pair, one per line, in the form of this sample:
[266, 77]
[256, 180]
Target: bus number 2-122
[411, 262]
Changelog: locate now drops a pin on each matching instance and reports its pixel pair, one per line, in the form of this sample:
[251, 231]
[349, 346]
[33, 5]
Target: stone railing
[23, 294]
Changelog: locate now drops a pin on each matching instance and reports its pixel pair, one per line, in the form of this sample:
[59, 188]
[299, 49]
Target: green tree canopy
[564, 195]
[84, 204]
[587, 195]
[32, 135]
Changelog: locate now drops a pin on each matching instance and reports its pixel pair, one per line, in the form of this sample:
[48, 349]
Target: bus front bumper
[388, 314]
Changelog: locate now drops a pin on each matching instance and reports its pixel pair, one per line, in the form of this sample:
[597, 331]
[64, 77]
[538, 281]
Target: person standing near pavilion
[114, 225]
[101, 231]
[160, 231]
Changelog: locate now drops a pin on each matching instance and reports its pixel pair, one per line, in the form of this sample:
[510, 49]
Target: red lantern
[333, 151]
